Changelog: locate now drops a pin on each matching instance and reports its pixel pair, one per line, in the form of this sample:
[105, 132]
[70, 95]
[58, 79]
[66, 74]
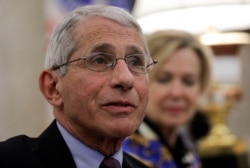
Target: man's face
[104, 104]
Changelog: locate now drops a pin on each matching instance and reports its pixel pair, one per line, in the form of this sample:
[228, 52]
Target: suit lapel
[54, 149]
[55, 152]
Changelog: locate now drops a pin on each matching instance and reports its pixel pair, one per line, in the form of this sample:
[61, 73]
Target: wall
[22, 108]
[239, 115]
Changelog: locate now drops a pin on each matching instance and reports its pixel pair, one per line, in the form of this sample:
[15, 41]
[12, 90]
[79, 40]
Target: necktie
[110, 163]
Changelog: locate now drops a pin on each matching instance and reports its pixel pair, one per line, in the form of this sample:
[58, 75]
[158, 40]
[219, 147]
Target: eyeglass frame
[55, 67]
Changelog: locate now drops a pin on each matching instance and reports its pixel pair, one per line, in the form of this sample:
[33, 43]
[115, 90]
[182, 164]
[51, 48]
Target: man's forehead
[100, 35]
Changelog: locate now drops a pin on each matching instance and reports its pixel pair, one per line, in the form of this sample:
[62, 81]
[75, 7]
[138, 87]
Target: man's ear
[50, 87]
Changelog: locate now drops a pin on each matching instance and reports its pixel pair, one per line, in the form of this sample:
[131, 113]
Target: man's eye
[100, 60]
[135, 61]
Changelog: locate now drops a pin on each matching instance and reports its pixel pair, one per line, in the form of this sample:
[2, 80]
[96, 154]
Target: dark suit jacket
[49, 150]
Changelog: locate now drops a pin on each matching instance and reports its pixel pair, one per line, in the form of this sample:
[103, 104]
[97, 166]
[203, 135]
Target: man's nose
[122, 77]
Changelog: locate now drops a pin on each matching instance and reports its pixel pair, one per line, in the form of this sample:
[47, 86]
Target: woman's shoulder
[150, 151]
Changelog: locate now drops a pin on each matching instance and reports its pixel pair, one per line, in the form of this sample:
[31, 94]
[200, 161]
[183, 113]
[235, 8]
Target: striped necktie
[110, 163]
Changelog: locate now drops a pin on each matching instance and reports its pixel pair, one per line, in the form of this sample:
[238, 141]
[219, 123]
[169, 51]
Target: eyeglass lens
[104, 62]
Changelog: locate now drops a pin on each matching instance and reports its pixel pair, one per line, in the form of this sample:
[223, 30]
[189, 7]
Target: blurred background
[26, 25]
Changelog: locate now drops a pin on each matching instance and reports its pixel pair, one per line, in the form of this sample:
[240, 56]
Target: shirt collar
[83, 155]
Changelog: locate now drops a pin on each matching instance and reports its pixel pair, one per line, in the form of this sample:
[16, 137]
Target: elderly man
[96, 80]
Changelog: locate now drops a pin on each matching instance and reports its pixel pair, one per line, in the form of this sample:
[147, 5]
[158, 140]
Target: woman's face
[174, 89]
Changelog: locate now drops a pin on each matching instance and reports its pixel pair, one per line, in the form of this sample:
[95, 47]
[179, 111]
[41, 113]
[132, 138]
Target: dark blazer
[49, 150]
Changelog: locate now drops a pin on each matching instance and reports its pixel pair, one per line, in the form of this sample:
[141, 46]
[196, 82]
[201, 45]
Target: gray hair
[62, 42]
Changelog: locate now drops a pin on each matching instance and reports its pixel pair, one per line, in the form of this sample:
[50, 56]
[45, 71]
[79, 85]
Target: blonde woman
[180, 77]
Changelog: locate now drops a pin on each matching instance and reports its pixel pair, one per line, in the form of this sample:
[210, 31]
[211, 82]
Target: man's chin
[124, 132]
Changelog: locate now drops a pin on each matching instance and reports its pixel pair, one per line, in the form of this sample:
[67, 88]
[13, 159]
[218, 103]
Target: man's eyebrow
[132, 49]
[103, 48]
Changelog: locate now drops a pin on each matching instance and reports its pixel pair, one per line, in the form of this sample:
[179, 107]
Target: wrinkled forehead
[101, 34]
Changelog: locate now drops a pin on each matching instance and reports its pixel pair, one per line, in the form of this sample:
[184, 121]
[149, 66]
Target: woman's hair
[162, 44]
[62, 42]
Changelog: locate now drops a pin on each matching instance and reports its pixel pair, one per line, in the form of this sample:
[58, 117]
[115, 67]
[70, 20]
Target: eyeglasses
[101, 62]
